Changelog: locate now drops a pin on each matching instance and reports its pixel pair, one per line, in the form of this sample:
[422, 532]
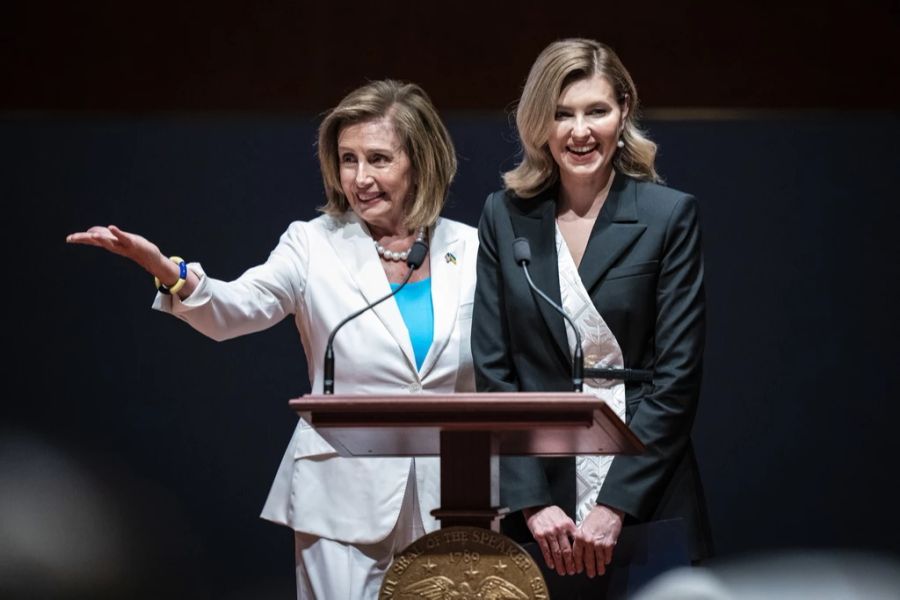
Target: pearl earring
[620, 143]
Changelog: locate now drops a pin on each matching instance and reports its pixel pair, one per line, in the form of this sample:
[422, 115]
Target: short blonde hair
[421, 131]
[560, 64]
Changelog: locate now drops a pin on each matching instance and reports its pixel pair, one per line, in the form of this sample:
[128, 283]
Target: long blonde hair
[558, 65]
[421, 131]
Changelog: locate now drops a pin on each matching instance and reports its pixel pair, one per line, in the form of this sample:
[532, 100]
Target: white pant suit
[320, 272]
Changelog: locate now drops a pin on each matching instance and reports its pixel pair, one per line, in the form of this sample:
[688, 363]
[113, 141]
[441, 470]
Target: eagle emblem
[440, 587]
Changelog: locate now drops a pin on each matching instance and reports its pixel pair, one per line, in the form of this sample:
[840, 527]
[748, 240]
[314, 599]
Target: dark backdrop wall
[135, 454]
[289, 55]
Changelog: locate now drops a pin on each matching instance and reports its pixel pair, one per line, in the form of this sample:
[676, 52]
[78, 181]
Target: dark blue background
[179, 436]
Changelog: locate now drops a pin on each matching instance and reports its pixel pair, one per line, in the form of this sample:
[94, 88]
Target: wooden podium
[469, 432]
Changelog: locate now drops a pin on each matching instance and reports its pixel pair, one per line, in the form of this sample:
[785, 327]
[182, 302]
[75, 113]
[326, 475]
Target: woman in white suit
[387, 162]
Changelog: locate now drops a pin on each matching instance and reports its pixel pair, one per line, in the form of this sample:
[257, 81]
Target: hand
[596, 538]
[552, 528]
[130, 245]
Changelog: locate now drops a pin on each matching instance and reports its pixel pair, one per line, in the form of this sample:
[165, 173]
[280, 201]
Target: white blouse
[601, 350]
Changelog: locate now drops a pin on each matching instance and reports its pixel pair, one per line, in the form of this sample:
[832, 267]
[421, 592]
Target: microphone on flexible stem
[522, 256]
[416, 257]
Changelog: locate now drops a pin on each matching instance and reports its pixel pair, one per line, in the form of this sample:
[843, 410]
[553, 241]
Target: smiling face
[376, 174]
[586, 127]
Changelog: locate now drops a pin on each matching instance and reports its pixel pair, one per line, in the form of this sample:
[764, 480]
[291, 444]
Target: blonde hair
[560, 64]
[421, 131]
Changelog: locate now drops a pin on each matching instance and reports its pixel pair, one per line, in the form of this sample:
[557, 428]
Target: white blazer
[321, 271]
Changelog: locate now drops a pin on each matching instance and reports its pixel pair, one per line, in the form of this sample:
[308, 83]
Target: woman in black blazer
[587, 177]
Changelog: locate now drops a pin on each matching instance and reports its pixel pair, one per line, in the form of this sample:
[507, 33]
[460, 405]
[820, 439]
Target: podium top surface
[522, 423]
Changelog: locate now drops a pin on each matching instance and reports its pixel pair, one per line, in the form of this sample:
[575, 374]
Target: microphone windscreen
[521, 251]
[417, 254]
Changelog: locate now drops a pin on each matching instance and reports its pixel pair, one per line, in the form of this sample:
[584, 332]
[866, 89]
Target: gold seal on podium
[468, 563]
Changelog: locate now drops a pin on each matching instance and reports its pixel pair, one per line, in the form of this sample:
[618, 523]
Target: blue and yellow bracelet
[182, 278]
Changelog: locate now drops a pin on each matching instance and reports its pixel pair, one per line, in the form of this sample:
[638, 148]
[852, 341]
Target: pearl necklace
[398, 256]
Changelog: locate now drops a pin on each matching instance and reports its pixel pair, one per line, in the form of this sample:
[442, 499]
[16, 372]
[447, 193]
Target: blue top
[414, 302]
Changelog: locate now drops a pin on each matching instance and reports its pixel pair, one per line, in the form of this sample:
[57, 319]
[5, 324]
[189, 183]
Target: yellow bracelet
[182, 277]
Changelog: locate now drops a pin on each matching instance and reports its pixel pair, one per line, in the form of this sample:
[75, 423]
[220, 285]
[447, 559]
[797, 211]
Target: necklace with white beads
[399, 256]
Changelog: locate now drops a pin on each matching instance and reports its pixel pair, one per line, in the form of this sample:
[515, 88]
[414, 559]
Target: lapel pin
[450, 258]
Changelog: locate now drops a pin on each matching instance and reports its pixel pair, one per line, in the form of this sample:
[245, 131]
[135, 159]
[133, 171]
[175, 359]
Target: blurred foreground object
[786, 575]
[77, 526]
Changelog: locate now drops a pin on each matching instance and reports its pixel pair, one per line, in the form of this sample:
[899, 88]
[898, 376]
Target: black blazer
[643, 268]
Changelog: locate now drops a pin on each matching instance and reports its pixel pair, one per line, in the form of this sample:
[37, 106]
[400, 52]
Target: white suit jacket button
[415, 388]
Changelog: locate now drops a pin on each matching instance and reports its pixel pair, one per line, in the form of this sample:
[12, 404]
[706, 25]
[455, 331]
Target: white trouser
[332, 570]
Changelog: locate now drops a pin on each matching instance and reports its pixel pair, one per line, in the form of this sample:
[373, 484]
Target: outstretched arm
[138, 249]
[256, 300]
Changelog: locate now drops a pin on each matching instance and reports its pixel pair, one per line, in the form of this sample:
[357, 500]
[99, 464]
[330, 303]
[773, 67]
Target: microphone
[522, 256]
[416, 257]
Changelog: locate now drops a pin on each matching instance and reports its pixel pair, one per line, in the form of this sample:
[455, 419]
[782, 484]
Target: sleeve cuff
[174, 305]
